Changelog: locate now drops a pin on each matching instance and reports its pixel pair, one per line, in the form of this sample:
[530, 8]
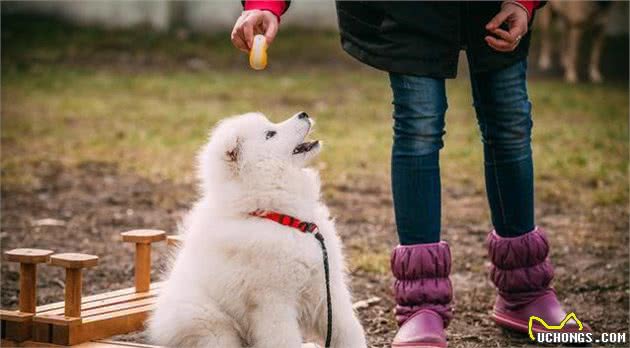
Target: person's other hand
[254, 22]
[516, 19]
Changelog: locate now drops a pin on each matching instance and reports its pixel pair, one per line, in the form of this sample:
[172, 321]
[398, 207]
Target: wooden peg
[143, 240]
[28, 259]
[73, 263]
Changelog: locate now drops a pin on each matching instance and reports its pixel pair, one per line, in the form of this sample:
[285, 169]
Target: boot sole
[519, 325]
[509, 323]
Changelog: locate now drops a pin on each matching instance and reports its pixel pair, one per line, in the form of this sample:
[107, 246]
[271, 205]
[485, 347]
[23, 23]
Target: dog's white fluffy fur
[244, 281]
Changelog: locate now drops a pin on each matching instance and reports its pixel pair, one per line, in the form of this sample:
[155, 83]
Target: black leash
[320, 239]
[306, 227]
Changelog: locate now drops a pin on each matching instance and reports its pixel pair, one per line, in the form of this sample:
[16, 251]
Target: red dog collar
[286, 220]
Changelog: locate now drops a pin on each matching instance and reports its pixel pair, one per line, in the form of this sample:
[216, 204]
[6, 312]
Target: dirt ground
[96, 202]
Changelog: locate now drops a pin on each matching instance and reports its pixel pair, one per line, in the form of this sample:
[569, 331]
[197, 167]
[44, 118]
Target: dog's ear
[233, 153]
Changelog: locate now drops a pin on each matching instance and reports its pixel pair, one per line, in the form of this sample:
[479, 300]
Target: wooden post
[28, 259]
[73, 263]
[17, 325]
[74, 285]
[28, 289]
[143, 267]
[143, 240]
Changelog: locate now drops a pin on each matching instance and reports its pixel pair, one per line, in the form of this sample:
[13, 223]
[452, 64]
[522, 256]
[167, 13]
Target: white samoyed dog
[244, 281]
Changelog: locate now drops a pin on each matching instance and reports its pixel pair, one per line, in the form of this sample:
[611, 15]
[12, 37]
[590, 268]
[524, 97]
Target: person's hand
[516, 19]
[253, 22]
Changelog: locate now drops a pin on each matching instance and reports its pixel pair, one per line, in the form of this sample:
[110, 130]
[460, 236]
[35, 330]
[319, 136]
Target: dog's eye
[270, 134]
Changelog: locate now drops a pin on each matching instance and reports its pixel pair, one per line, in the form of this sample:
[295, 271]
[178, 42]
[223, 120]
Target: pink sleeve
[276, 7]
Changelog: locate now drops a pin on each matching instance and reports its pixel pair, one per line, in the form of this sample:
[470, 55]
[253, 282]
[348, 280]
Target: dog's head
[250, 148]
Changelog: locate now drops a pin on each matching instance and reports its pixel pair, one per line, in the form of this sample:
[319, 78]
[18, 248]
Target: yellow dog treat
[258, 53]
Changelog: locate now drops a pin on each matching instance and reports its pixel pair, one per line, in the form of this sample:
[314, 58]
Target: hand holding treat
[253, 33]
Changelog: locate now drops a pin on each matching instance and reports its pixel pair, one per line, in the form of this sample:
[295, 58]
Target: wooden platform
[90, 344]
[80, 319]
[83, 321]
[102, 315]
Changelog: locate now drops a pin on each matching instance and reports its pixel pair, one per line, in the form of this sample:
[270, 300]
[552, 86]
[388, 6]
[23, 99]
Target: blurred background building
[203, 16]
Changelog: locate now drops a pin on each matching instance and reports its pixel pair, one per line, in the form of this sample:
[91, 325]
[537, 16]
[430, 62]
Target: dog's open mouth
[305, 147]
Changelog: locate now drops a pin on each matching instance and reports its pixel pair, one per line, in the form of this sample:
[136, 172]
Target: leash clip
[311, 227]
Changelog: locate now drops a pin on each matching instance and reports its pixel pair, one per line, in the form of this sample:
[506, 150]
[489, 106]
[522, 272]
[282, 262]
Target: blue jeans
[504, 117]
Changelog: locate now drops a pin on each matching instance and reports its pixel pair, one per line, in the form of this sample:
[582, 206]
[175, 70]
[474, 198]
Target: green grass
[61, 102]
[370, 262]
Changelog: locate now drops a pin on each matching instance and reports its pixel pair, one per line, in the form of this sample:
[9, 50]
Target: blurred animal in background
[574, 19]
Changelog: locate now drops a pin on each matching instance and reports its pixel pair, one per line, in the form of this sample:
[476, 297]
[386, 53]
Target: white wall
[206, 16]
[111, 14]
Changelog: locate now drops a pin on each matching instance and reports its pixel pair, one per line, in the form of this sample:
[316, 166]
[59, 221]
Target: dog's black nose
[302, 115]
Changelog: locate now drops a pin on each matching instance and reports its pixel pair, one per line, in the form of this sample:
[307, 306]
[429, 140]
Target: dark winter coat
[422, 38]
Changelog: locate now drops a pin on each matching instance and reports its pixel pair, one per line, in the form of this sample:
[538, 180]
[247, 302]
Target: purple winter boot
[522, 273]
[423, 294]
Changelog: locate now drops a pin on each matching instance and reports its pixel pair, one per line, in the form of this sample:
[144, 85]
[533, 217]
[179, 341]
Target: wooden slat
[15, 315]
[118, 307]
[99, 325]
[130, 311]
[106, 302]
[89, 344]
[60, 320]
[109, 324]
[92, 298]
